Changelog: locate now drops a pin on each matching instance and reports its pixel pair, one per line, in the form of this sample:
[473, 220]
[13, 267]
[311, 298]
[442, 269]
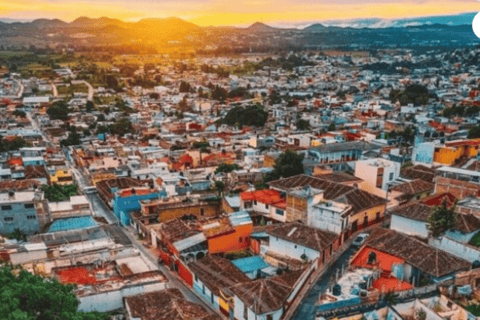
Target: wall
[20, 216]
[458, 249]
[290, 249]
[231, 242]
[409, 226]
[423, 152]
[209, 210]
[370, 213]
[126, 205]
[112, 300]
[207, 296]
[460, 189]
[239, 312]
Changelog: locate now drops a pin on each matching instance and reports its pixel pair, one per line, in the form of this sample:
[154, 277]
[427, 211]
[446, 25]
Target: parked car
[360, 239]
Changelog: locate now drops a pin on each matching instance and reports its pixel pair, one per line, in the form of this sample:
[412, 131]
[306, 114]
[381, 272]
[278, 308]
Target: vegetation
[302, 125]
[287, 164]
[57, 193]
[415, 93]
[11, 144]
[26, 296]
[18, 234]
[475, 241]
[474, 133]
[185, 87]
[122, 127]
[253, 115]
[58, 111]
[474, 309]
[220, 186]
[461, 111]
[441, 220]
[226, 168]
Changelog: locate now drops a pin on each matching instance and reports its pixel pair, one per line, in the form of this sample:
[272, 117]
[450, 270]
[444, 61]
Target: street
[306, 310]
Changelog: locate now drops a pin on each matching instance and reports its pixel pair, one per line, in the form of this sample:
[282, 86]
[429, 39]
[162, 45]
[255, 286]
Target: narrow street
[306, 310]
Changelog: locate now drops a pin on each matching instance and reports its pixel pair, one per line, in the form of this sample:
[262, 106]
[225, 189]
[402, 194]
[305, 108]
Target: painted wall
[290, 249]
[239, 312]
[240, 240]
[409, 226]
[24, 217]
[112, 300]
[457, 249]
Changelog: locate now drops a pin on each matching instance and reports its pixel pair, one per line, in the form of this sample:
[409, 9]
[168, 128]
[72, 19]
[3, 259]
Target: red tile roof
[264, 196]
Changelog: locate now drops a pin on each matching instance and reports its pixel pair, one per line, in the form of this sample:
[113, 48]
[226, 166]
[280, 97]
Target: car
[89, 190]
[360, 239]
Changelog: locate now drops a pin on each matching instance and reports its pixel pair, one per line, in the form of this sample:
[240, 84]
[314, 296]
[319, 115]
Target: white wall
[458, 249]
[409, 226]
[326, 220]
[239, 311]
[290, 249]
[112, 300]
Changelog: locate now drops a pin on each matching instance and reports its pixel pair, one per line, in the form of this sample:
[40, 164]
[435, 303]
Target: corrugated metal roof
[189, 242]
[240, 218]
[250, 264]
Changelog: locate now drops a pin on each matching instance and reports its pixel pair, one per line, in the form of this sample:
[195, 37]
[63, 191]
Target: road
[306, 310]
[90, 89]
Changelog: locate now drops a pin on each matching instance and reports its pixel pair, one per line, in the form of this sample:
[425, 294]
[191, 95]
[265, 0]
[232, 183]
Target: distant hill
[261, 27]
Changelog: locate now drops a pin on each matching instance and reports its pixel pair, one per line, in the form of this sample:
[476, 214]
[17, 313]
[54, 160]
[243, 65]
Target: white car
[360, 239]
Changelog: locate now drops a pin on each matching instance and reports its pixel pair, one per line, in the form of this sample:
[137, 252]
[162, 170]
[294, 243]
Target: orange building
[237, 238]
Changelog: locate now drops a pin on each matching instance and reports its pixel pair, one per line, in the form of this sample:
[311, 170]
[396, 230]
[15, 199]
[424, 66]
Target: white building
[377, 172]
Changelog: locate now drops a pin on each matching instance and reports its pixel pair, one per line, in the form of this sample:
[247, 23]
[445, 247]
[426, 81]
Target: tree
[12, 144]
[200, 144]
[72, 140]
[253, 115]
[332, 127]
[90, 106]
[474, 133]
[441, 219]
[287, 164]
[57, 193]
[302, 125]
[18, 235]
[122, 127]
[26, 296]
[19, 113]
[58, 111]
[226, 167]
[220, 186]
[185, 87]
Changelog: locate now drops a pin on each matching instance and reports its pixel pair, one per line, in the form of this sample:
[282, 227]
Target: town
[315, 184]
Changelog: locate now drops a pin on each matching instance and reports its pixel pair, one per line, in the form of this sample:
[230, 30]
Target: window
[279, 212]
[8, 219]
[203, 289]
[266, 206]
[245, 311]
[29, 206]
[269, 317]
[391, 176]
[212, 298]
[6, 208]
[196, 278]
[240, 239]
[255, 202]
[202, 212]
[295, 246]
[31, 217]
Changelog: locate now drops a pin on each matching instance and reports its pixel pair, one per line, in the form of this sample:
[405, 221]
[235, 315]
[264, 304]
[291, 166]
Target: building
[377, 172]
[126, 201]
[23, 210]
[168, 304]
[460, 183]
[264, 204]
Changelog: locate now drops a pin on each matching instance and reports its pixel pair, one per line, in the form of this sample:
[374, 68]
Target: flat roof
[250, 264]
[84, 222]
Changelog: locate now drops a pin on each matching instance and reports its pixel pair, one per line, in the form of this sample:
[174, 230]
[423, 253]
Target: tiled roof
[428, 259]
[416, 211]
[418, 172]
[359, 200]
[217, 273]
[303, 235]
[414, 187]
[267, 295]
[167, 304]
[263, 196]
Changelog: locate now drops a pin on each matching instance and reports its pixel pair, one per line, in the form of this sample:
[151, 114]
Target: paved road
[306, 310]
[54, 89]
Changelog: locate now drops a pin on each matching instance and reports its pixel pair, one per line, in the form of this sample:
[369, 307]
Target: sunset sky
[238, 12]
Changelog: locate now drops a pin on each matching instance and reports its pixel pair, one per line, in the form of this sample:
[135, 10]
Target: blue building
[126, 201]
[21, 210]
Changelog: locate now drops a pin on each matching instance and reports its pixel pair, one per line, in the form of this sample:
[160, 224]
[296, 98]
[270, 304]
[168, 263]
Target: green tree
[58, 111]
[474, 133]
[287, 164]
[441, 219]
[302, 125]
[252, 115]
[57, 193]
[185, 87]
[122, 127]
[226, 167]
[19, 113]
[332, 127]
[26, 296]
[12, 144]
[90, 106]
[72, 140]
[220, 186]
[18, 235]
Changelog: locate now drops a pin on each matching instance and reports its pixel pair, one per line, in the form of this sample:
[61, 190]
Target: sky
[237, 12]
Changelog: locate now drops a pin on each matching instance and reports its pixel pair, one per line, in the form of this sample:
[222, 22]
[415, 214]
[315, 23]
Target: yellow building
[455, 150]
[62, 177]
